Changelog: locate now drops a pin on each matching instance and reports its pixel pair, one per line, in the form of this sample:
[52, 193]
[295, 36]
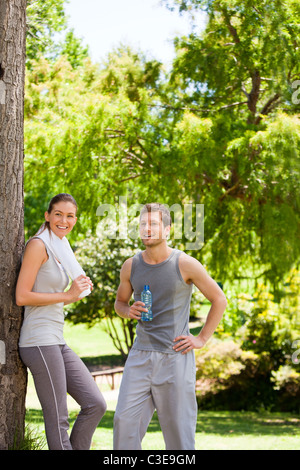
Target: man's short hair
[156, 207]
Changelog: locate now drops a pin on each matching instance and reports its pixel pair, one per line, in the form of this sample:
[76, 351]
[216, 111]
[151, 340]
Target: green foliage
[286, 382]
[210, 372]
[46, 23]
[246, 169]
[231, 378]
[263, 323]
[30, 440]
[255, 368]
[83, 138]
[43, 20]
[236, 57]
[266, 329]
[72, 47]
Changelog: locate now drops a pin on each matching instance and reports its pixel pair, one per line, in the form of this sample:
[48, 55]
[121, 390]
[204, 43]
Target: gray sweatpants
[57, 370]
[165, 382]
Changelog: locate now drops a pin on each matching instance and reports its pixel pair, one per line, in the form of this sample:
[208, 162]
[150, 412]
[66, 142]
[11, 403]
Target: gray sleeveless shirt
[171, 297]
[43, 325]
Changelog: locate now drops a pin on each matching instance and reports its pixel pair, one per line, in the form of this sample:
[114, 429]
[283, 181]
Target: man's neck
[156, 254]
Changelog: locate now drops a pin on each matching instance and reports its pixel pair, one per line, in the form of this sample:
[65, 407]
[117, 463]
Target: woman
[56, 369]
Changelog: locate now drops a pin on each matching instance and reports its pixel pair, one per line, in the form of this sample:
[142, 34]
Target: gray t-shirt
[171, 297]
[43, 325]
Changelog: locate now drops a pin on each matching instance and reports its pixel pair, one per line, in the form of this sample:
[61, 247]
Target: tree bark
[13, 376]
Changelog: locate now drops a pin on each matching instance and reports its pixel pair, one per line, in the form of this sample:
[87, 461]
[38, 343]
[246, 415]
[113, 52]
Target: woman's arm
[35, 255]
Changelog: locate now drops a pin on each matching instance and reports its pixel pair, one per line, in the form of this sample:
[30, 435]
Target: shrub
[287, 385]
[231, 378]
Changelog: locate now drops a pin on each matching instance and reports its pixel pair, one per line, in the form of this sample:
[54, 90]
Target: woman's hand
[80, 284]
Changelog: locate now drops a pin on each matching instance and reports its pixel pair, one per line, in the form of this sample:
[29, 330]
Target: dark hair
[62, 197]
[156, 207]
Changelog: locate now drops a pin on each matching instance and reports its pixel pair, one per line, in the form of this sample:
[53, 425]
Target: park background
[218, 127]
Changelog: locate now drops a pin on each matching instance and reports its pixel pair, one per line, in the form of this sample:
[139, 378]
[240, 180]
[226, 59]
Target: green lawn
[215, 430]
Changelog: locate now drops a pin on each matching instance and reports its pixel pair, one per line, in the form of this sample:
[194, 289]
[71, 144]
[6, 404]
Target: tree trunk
[13, 377]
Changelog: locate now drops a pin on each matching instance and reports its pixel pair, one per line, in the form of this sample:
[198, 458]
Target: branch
[117, 134]
[255, 277]
[197, 110]
[130, 178]
[254, 93]
[179, 108]
[245, 92]
[229, 190]
[231, 28]
[231, 105]
[267, 107]
[114, 336]
[132, 156]
[143, 149]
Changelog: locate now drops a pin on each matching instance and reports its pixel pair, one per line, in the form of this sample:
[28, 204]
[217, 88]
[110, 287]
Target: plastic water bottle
[146, 297]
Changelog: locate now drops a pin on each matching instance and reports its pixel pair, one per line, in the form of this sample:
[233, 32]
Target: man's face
[152, 230]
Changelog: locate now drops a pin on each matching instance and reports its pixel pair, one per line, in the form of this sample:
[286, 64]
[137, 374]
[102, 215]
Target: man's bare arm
[124, 294]
[193, 272]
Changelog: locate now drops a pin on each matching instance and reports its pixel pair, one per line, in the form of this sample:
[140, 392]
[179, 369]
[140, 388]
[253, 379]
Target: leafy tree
[236, 139]
[46, 23]
[72, 47]
[247, 56]
[44, 19]
[88, 132]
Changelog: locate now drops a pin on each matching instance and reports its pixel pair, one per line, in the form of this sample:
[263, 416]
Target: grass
[216, 430]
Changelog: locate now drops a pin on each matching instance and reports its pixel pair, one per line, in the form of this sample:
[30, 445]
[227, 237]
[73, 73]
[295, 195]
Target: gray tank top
[43, 325]
[171, 297]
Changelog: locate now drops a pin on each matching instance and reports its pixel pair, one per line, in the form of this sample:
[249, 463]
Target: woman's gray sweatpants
[165, 382]
[57, 370]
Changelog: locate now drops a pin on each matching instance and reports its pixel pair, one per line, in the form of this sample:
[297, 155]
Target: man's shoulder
[126, 268]
[127, 264]
[184, 257]
[187, 262]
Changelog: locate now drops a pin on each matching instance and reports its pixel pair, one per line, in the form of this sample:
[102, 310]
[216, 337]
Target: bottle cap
[146, 287]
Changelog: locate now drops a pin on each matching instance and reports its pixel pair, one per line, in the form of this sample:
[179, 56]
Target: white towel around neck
[63, 252]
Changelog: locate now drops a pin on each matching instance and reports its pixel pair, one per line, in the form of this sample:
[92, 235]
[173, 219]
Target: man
[160, 369]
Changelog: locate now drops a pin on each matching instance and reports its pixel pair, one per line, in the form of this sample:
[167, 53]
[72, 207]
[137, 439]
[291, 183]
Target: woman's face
[62, 218]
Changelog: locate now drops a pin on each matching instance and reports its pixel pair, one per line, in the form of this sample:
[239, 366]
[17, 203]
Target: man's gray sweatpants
[57, 370]
[165, 382]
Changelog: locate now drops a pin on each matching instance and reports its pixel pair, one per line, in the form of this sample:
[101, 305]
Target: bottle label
[146, 297]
